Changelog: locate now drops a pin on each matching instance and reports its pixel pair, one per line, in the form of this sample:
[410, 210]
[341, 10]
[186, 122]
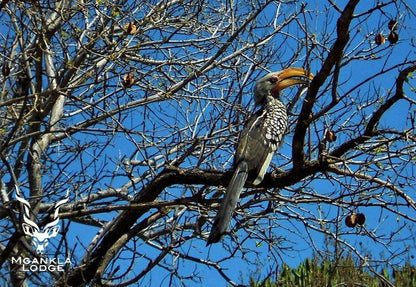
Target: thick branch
[334, 56]
[122, 224]
[169, 177]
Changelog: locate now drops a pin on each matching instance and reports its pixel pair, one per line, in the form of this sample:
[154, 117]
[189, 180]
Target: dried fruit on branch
[330, 136]
[128, 80]
[392, 25]
[355, 218]
[360, 218]
[380, 39]
[351, 220]
[393, 37]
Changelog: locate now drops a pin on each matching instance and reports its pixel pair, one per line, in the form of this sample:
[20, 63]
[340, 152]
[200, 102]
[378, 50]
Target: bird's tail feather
[232, 194]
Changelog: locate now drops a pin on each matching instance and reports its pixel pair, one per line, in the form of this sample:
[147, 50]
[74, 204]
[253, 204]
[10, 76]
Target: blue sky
[291, 233]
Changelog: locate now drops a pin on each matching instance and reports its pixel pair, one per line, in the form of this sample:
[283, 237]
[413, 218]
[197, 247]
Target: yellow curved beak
[293, 76]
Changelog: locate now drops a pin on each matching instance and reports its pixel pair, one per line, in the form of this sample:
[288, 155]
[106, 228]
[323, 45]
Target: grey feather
[232, 194]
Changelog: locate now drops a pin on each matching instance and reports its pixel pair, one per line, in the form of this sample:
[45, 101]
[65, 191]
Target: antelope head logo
[40, 237]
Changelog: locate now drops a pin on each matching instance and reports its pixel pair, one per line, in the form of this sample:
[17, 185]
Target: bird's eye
[273, 80]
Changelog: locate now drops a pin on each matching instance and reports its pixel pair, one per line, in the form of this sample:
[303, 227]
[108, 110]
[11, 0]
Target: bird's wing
[256, 146]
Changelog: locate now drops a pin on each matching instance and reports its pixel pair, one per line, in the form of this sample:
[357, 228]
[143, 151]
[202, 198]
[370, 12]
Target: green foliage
[344, 272]
[405, 276]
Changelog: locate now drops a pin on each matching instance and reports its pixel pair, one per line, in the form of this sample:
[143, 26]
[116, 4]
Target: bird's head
[273, 83]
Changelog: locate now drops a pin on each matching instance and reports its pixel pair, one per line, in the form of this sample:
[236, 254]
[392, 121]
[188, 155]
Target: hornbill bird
[258, 141]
